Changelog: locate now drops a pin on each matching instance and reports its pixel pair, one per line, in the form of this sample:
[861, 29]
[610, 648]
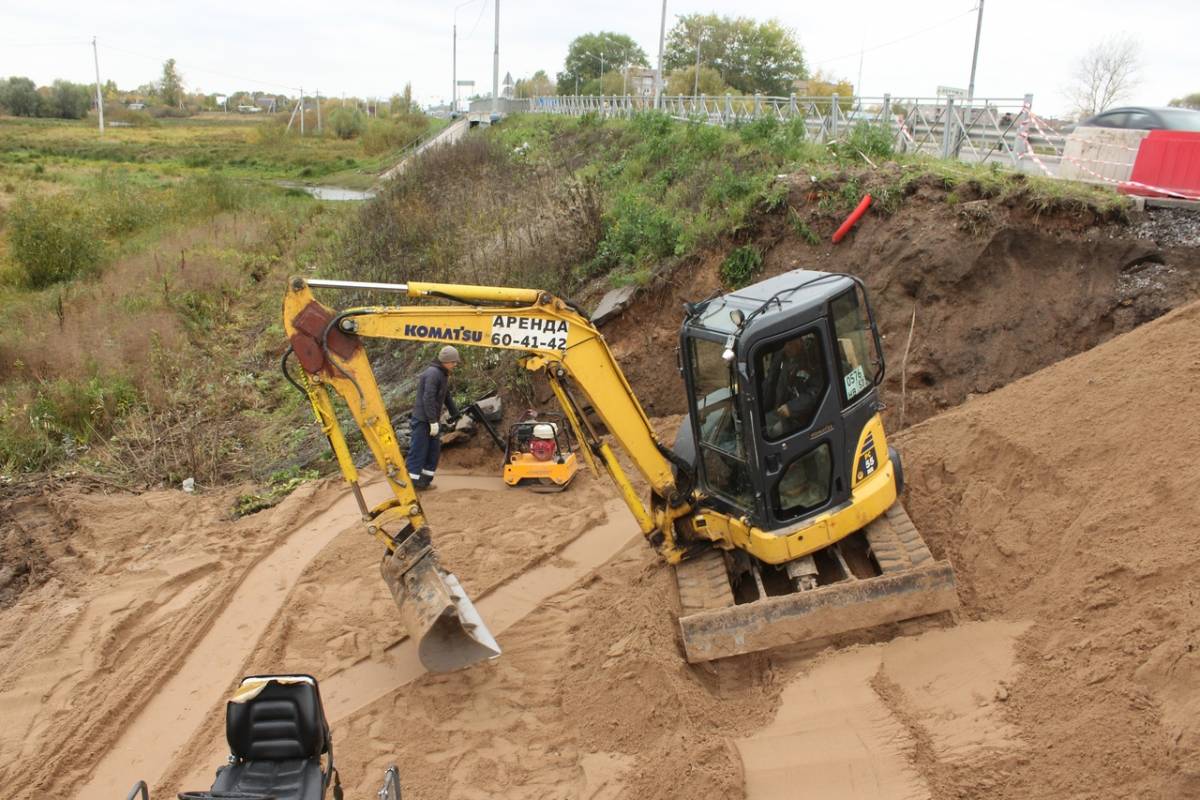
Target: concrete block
[612, 304]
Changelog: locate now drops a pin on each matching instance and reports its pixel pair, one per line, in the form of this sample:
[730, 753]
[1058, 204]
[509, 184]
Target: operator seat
[277, 733]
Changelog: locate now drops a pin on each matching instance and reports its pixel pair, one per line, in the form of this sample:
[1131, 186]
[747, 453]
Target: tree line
[737, 55]
[21, 97]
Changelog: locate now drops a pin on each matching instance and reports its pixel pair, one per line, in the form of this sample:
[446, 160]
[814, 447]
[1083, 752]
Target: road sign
[466, 83]
[951, 91]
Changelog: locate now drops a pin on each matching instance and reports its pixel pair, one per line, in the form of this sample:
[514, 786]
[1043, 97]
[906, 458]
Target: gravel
[1170, 227]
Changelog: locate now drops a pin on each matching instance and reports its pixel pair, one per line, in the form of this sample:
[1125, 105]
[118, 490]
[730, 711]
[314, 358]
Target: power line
[913, 35]
[482, 8]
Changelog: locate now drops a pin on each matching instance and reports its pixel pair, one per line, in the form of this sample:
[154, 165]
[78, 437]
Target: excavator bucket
[437, 612]
[910, 584]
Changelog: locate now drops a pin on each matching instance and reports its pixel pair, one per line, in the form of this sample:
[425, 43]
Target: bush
[383, 135]
[53, 239]
[637, 231]
[865, 139]
[347, 123]
[740, 266]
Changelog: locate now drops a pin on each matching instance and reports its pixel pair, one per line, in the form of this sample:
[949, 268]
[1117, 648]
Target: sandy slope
[1066, 502]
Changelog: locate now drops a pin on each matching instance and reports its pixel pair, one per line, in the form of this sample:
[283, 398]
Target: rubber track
[703, 583]
[895, 541]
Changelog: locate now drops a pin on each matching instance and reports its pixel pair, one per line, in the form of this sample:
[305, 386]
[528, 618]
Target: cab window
[858, 361]
[791, 384]
[714, 398]
[804, 485]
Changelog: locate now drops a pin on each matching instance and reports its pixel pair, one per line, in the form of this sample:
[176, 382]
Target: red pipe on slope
[855, 215]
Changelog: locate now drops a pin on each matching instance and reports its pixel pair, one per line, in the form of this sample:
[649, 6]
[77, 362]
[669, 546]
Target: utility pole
[975, 56]
[302, 110]
[496, 64]
[99, 97]
[699, 38]
[454, 70]
[318, 110]
[662, 35]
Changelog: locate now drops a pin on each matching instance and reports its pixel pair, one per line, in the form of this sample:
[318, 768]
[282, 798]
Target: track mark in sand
[177, 707]
[354, 688]
[836, 736]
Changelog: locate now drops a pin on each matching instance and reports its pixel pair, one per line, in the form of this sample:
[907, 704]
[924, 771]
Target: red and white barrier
[1128, 185]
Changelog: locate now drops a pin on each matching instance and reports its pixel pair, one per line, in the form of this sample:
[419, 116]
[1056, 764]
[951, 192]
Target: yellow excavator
[777, 504]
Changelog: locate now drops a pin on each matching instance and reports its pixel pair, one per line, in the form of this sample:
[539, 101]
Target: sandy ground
[1065, 501]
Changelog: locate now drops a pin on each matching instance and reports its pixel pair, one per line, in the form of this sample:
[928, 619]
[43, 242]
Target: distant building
[266, 104]
[247, 109]
[641, 81]
[136, 105]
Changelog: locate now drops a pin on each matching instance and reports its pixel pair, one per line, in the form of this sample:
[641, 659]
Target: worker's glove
[433, 429]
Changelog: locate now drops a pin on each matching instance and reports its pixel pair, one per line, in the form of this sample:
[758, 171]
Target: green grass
[667, 189]
[58, 150]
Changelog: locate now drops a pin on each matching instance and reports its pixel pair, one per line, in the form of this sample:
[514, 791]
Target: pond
[335, 193]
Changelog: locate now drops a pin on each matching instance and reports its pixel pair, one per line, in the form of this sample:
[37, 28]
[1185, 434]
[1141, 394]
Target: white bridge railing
[984, 130]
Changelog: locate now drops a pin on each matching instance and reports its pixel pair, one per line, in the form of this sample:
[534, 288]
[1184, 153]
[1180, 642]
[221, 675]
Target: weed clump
[740, 266]
[279, 485]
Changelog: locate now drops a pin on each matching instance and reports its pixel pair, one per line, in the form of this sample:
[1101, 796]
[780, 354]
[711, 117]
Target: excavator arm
[556, 337]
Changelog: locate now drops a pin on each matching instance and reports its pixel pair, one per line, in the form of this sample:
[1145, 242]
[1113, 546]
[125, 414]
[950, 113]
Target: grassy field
[49, 151]
[139, 277]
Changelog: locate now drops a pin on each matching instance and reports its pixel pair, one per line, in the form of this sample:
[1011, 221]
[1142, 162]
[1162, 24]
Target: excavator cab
[784, 439]
[782, 381]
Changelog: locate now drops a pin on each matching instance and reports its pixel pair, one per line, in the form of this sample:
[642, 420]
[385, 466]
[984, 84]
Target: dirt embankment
[998, 291]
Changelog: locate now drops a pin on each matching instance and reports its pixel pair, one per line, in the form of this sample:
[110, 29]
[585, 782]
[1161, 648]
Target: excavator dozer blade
[818, 613]
[437, 612]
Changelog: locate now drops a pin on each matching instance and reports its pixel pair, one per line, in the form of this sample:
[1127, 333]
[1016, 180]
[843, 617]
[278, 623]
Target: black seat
[276, 740]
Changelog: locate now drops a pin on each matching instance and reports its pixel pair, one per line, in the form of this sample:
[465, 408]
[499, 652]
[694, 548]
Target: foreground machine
[777, 504]
[280, 747]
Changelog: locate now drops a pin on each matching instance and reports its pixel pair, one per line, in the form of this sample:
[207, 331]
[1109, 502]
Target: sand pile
[1069, 499]
[122, 586]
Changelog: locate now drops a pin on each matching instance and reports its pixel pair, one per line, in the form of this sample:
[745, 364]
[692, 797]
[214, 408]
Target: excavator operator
[433, 393]
[793, 386]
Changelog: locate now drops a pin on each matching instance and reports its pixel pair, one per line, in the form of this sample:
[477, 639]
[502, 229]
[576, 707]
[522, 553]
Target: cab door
[796, 407]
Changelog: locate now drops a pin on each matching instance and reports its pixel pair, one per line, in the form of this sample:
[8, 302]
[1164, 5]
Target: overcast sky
[371, 47]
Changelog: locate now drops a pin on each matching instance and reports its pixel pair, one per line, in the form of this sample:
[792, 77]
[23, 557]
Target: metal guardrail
[985, 130]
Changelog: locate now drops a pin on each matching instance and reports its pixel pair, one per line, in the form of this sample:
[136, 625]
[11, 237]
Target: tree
[1105, 74]
[536, 86]
[69, 100]
[583, 58]
[19, 96]
[683, 81]
[749, 56]
[170, 87]
[1189, 101]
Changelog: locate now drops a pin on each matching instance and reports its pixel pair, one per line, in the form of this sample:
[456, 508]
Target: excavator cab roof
[789, 295]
